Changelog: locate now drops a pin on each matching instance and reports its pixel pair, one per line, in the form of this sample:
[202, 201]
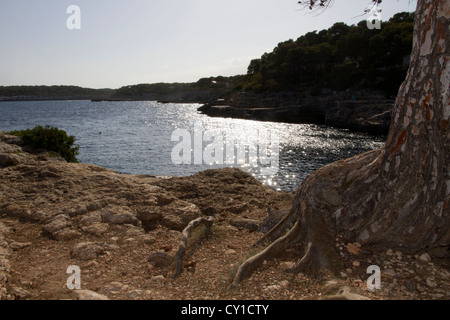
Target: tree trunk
[397, 196]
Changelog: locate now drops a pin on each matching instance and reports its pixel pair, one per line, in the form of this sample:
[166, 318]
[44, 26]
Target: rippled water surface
[136, 138]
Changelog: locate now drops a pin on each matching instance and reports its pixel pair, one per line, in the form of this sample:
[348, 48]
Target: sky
[126, 42]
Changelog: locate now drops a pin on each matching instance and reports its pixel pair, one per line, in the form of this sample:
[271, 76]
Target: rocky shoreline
[362, 111]
[123, 232]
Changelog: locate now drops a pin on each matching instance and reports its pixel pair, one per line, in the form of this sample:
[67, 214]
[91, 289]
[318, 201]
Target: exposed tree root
[184, 238]
[246, 269]
[304, 261]
[320, 255]
[279, 229]
[314, 262]
[311, 228]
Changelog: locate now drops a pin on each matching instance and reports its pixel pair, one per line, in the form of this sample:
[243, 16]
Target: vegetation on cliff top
[160, 89]
[338, 58]
[54, 92]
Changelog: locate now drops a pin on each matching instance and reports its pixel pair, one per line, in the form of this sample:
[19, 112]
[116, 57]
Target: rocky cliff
[367, 112]
[61, 214]
[122, 232]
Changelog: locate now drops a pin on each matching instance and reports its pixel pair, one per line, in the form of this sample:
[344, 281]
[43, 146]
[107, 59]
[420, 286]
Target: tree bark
[397, 196]
[407, 204]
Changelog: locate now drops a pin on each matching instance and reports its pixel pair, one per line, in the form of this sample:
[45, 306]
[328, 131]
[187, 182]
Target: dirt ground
[209, 265]
[49, 207]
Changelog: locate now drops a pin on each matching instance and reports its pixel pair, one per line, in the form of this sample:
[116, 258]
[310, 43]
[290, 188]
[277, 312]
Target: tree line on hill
[337, 58]
[53, 92]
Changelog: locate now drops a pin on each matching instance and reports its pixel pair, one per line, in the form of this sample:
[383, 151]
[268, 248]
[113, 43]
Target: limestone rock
[89, 295]
[86, 251]
[5, 265]
[146, 238]
[114, 288]
[133, 231]
[7, 160]
[134, 294]
[9, 148]
[250, 224]
[19, 245]
[353, 249]
[160, 259]
[18, 211]
[158, 278]
[149, 214]
[179, 213]
[287, 265]
[90, 219]
[390, 272]
[96, 229]
[12, 155]
[3, 228]
[4, 252]
[274, 287]
[424, 257]
[10, 139]
[431, 282]
[70, 200]
[20, 293]
[58, 223]
[66, 234]
[118, 216]
[231, 253]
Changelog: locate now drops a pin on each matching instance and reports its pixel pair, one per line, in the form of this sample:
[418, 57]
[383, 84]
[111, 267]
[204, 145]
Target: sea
[172, 139]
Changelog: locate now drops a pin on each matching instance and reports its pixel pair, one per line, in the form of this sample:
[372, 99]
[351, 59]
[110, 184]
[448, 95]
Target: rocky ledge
[123, 233]
[361, 111]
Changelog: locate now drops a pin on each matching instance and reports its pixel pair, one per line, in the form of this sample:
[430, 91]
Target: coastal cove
[122, 232]
[134, 137]
[161, 153]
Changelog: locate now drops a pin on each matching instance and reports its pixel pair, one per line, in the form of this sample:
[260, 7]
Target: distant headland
[344, 76]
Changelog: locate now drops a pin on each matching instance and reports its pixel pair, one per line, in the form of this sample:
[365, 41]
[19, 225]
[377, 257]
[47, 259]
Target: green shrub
[51, 139]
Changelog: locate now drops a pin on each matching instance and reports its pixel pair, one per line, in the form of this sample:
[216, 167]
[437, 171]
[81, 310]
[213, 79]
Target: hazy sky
[124, 42]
